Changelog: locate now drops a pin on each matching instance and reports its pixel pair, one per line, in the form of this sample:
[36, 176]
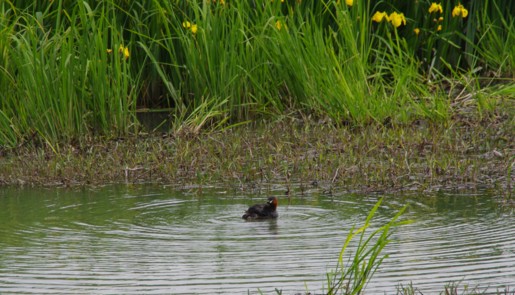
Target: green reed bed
[73, 69]
[63, 76]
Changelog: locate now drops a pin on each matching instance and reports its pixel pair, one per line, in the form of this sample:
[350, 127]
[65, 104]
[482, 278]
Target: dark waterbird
[262, 211]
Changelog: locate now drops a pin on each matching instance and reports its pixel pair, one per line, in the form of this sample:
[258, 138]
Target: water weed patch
[418, 157]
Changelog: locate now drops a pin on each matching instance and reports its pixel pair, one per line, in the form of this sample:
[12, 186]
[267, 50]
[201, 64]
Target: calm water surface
[155, 240]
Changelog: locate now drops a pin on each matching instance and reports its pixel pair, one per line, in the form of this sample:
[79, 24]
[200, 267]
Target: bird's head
[272, 201]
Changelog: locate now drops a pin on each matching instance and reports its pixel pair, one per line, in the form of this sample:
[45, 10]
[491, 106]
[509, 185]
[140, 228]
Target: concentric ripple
[152, 240]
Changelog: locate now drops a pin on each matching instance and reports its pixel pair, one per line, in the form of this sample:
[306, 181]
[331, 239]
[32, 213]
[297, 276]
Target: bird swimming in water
[262, 211]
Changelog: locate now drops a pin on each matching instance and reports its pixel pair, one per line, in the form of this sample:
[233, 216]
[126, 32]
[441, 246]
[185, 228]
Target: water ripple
[154, 244]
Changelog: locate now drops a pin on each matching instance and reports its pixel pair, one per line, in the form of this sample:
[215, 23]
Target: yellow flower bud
[124, 50]
[278, 25]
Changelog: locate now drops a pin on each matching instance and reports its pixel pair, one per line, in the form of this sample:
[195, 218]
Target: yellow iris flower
[417, 31]
[435, 7]
[348, 2]
[379, 16]
[460, 11]
[397, 19]
[194, 28]
[124, 50]
[189, 26]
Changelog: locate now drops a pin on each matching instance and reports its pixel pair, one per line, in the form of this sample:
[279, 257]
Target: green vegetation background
[74, 69]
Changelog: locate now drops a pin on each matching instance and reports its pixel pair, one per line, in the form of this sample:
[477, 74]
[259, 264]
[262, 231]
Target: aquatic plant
[352, 273]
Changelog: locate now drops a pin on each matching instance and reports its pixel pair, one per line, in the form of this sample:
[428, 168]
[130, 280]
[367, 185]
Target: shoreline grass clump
[352, 276]
[72, 70]
[353, 273]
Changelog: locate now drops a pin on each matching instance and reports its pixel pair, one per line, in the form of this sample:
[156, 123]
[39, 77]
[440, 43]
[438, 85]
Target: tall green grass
[59, 79]
[495, 47]
[213, 63]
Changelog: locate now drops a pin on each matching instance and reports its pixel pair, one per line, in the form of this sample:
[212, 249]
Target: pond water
[155, 240]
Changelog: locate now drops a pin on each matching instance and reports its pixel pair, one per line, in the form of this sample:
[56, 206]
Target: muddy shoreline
[418, 157]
